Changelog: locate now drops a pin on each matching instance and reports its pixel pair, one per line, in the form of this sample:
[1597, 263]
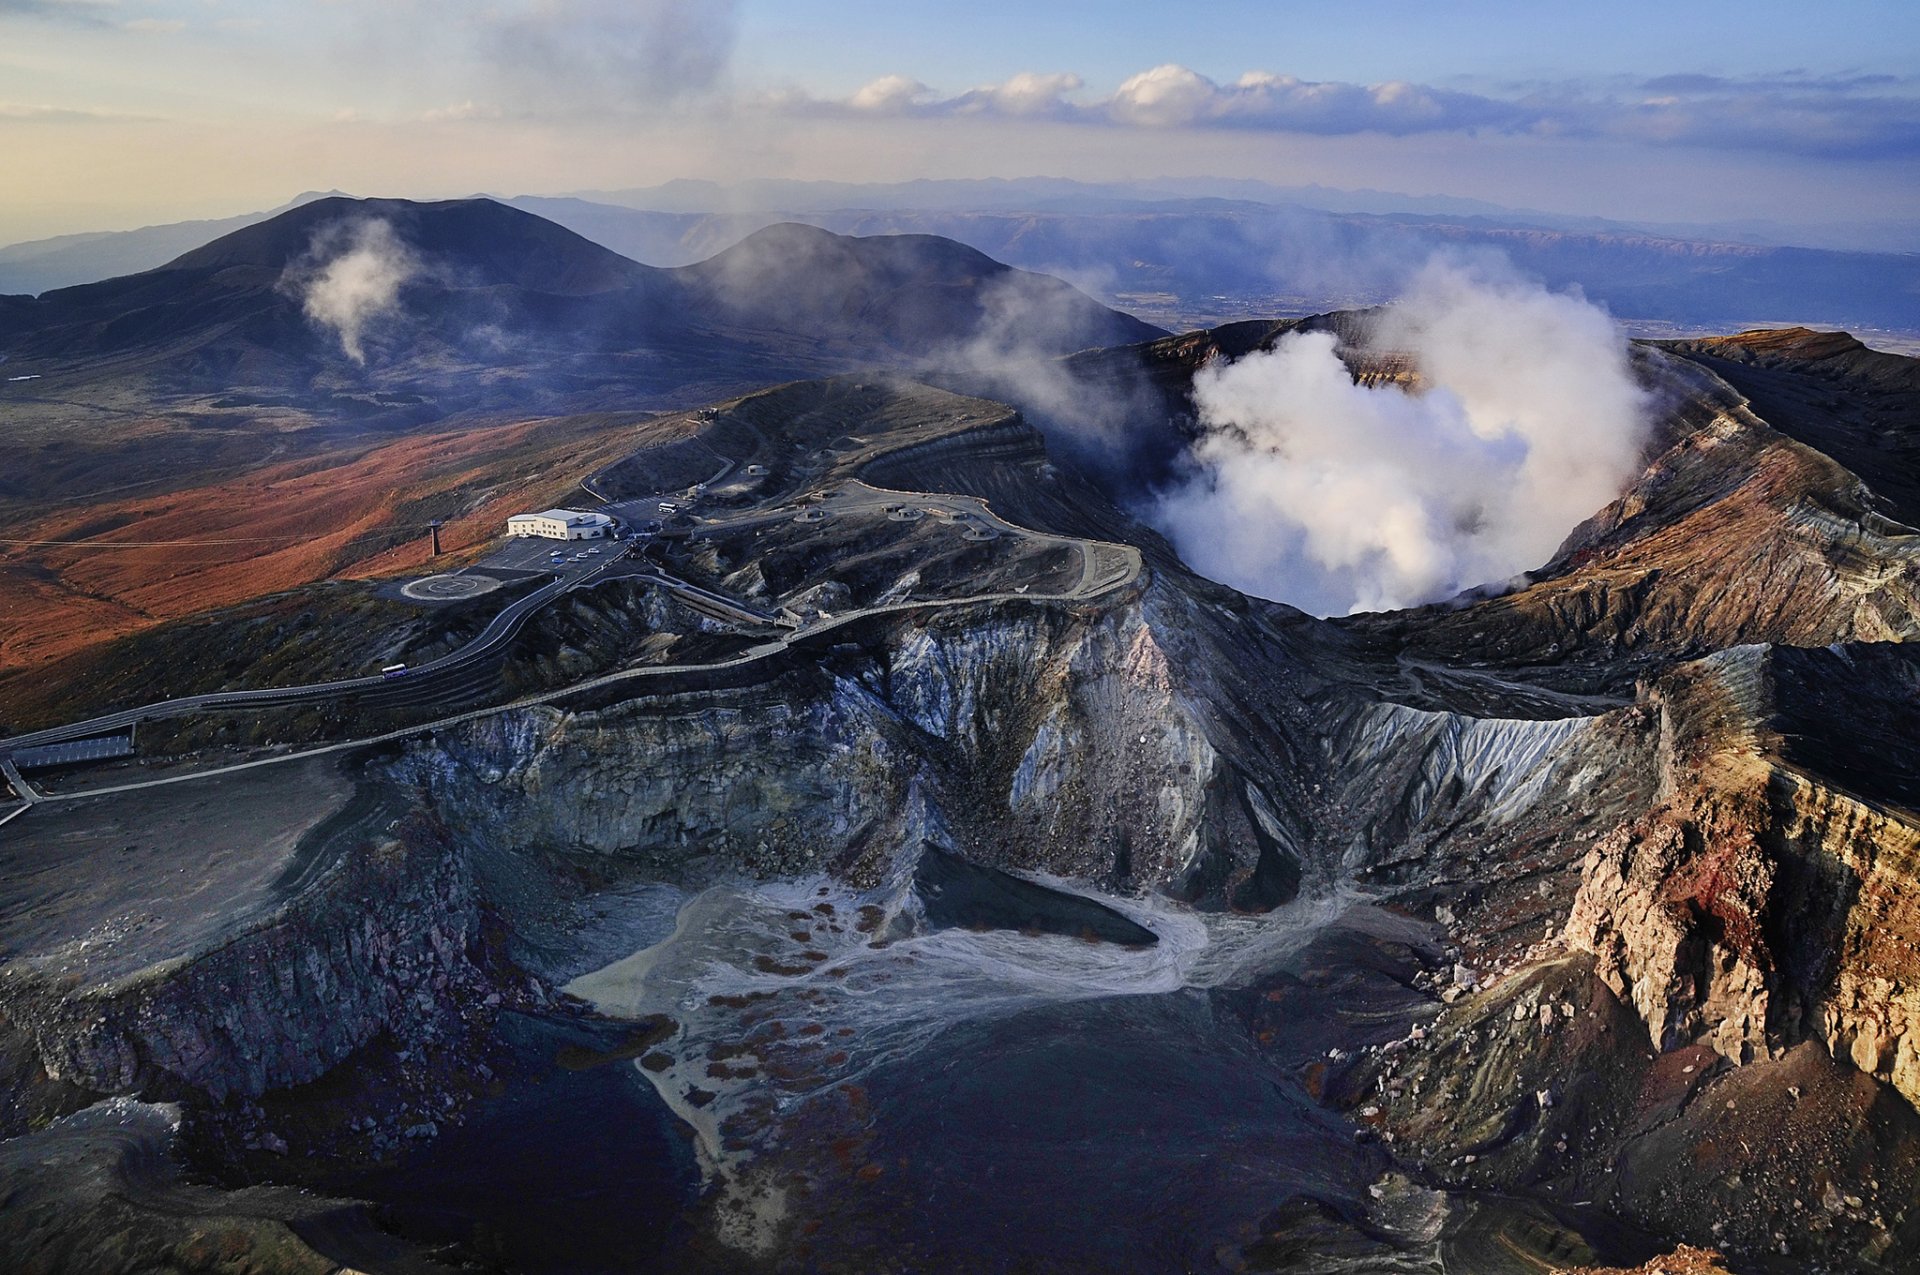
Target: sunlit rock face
[1763, 904]
[1070, 745]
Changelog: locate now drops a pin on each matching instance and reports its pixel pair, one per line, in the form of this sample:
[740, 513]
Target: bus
[392, 671]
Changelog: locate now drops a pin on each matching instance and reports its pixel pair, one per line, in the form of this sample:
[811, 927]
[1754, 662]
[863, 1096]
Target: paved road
[1126, 555]
[1118, 567]
[499, 631]
[21, 788]
[494, 638]
[1104, 567]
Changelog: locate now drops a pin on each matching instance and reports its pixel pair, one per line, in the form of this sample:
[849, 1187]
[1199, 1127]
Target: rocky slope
[1564, 925]
[1722, 974]
[1735, 534]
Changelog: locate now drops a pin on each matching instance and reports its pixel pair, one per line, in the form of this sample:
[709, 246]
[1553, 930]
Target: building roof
[572, 517]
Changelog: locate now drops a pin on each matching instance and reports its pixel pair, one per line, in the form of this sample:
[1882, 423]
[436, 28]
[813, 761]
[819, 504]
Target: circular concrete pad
[449, 588]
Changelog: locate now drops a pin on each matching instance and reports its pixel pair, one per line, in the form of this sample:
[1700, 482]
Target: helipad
[449, 588]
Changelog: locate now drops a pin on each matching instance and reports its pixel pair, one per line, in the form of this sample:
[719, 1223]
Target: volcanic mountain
[1186, 261]
[474, 283]
[899, 819]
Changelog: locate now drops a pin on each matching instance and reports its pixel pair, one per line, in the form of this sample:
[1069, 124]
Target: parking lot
[639, 512]
[532, 553]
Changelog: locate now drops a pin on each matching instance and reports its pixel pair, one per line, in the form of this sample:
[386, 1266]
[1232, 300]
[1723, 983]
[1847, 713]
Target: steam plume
[352, 278]
[1333, 496]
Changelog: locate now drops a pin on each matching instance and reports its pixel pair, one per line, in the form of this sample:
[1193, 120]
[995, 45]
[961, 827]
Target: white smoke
[1337, 497]
[351, 279]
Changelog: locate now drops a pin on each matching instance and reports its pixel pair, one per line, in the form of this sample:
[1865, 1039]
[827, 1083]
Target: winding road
[1104, 567]
[499, 631]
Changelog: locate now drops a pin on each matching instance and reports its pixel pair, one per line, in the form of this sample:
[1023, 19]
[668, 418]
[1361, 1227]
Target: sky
[118, 113]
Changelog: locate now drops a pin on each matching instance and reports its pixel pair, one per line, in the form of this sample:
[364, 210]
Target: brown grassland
[356, 511]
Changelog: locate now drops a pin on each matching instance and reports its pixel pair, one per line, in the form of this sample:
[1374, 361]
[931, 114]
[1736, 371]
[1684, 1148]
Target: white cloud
[43, 113]
[1166, 95]
[1029, 93]
[1858, 116]
[889, 95]
[459, 112]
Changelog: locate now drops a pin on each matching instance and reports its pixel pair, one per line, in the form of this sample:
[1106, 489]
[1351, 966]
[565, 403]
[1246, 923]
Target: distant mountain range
[1179, 259]
[471, 302]
[1055, 194]
[1024, 194]
[66, 260]
[1197, 263]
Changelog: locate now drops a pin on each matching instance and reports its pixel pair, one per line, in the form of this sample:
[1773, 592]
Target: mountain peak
[923, 289]
[486, 242]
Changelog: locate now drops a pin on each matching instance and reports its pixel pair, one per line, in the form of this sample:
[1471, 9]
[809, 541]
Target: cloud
[546, 57]
[889, 95]
[1311, 488]
[87, 12]
[40, 113]
[1173, 96]
[154, 26]
[1857, 116]
[1026, 94]
[351, 279]
[460, 111]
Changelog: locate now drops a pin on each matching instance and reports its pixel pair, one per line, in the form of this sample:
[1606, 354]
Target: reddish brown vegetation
[356, 512]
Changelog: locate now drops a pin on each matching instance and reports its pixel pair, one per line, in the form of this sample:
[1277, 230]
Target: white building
[561, 524]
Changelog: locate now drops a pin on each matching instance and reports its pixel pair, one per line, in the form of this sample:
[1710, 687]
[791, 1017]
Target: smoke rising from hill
[1311, 489]
[1026, 321]
[352, 278]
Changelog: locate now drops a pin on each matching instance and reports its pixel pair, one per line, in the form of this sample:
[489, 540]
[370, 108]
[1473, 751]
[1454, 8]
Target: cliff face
[387, 941]
[1070, 742]
[1687, 916]
[1647, 840]
[1760, 904]
[1736, 533]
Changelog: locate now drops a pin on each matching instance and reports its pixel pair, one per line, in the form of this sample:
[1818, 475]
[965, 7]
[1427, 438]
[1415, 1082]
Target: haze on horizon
[117, 113]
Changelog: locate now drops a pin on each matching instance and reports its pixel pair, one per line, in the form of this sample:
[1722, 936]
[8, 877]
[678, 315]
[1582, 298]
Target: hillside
[1542, 930]
[923, 292]
[136, 561]
[199, 404]
[509, 276]
[221, 359]
[1833, 393]
[1186, 261]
